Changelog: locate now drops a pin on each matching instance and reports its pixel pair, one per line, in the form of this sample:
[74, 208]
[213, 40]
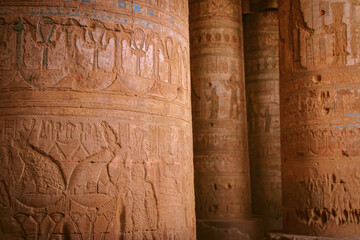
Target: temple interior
[179, 119]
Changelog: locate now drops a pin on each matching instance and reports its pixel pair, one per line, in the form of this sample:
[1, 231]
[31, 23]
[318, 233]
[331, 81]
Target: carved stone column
[95, 120]
[320, 81]
[222, 179]
[261, 39]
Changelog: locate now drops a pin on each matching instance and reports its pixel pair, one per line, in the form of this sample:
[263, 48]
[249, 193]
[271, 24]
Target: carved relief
[297, 28]
[338, 208]
[319, 127]
[91, 46]
[211, 8]
[214, 99]
[11, 51]
[218, 99]
[339, 30]
[227, 37]
[314, 104]
[234, 86]
[261, 36]
[339, 141]
[217, 64]
[63, 178]
[355, 37]
[79, 163]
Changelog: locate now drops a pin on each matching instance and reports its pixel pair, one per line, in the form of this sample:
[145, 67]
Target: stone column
[320, 89]
[261, 39]
[222, 179]
[95, 120]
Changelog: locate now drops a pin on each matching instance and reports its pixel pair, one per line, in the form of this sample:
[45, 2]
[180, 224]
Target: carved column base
[281, 236]
[240, 229]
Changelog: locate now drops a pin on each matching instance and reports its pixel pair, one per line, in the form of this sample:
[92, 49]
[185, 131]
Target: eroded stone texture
[280, 236]
[219, 116]
[95, 125]
[263, 110]
[319, 59]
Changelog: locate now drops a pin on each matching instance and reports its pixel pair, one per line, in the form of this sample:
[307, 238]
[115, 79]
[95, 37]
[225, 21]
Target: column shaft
[222, 178]
[261, 36]
[319, 85]
[219, 114]
[95, 120]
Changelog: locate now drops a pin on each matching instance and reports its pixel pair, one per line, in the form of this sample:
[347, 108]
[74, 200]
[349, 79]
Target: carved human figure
[214, 101]
[267, 118]
[234, 86]
[85, 176]
[339, 29]
[157, 47]
[8, 58]
[297, 25]
[80, 174]
[74, 32]
[121, 34]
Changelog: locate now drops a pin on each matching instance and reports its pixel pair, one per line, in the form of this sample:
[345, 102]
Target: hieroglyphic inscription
[218, 100]
[112, 57]
[320, 123]
[96, 150]
[64, 174]
[262, 86]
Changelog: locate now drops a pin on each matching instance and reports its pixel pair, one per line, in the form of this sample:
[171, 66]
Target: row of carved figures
[105, 192]
[95, 54]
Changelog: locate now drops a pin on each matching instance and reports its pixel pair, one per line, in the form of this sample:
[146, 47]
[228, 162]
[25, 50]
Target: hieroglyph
[91, 55]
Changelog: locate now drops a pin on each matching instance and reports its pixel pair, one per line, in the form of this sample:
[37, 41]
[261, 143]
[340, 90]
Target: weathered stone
[95, 120]
[222, 179]
[238, 229]
[261, 38]
[280, 236]
[319, 65]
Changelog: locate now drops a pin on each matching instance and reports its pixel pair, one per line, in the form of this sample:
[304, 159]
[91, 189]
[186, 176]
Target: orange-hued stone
[218, 85]
[95, 120]
[320, 130]
[222, 177]
[261, 36]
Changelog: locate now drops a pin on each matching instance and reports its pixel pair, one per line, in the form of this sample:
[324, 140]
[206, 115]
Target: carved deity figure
[234, 86]
[267, 118]
[214, 99]
[339, 31]
[297, 26]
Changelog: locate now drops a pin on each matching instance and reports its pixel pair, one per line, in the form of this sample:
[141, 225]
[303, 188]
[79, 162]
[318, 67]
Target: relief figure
[234, 85]
[339, 30]
[214, 100]
[267, 118]
[297, 26]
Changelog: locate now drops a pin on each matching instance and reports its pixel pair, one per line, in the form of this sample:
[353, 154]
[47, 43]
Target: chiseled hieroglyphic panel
[319, 65]
[222, 179]
[261, 40]
[95, 120]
